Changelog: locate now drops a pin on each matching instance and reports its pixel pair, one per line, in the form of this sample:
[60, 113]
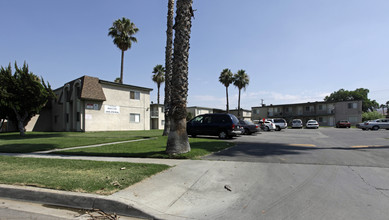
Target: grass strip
[152, 149]
[74, 175]
[42, 141]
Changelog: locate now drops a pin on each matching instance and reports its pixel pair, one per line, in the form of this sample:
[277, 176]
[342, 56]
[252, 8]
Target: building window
[352, 105]
[320, 107]
[286, 109]
[307, 108]
[134, 118]
[135, 95]
[163, 122]
[353, 119]
[163, 109]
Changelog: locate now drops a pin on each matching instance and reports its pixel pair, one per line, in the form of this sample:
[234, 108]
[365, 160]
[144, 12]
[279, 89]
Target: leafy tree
[241, 81]
[168, 65]
[371, 115]
[117, 80]
[358, 94]
[226, 78]
[23, 93]
[121, 32]
[178, 142]
[158, 77]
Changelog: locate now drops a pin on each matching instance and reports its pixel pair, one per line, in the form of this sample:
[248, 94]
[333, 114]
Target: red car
[343, 124]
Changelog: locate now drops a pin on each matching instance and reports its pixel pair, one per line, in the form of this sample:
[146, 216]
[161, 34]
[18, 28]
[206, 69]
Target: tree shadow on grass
[34, 135]
[26, 148]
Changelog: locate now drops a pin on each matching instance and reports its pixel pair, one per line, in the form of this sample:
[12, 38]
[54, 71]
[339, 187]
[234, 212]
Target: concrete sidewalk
[200, 189]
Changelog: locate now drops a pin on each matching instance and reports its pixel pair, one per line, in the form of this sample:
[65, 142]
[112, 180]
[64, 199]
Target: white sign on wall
[112, 109]
[88, 117]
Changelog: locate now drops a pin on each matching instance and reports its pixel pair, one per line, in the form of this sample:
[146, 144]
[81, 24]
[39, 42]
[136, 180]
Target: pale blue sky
[293, 50]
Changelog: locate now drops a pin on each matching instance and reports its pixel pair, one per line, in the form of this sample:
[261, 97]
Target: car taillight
[366, 123]
[256, 126]
[233, 126]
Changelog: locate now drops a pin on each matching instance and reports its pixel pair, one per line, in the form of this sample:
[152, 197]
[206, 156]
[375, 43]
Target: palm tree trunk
[239, 104]
[159, 85]
[168, 65]
[227, 98]
[121, 68]
[178, 142]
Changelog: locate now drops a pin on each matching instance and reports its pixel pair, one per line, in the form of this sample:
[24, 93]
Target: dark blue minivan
[219, 124]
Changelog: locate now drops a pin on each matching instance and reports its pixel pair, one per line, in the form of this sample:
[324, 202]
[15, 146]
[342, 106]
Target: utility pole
[262, 102]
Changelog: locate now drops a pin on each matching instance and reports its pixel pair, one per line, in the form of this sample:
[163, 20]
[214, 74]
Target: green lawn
[154, 148]
[40, 141]
[74, 175]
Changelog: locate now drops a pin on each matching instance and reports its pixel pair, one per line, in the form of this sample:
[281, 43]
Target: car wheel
[375, 128]
[267, 128]
[278, 128]
[246, 131]
[223, 135]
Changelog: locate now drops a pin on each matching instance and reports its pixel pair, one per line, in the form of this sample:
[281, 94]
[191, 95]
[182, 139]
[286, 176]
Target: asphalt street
[323, 146]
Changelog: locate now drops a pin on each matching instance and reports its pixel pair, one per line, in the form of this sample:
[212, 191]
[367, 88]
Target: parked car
[267, 125]
[361, 125]
[248, 127]
[377, 124]
[280, 123]
[220, 124]
[312, 124]
[343, 124]
[297, 123]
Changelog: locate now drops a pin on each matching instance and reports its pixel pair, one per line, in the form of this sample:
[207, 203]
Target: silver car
[312, 124]
[297, 123]
[377, 124]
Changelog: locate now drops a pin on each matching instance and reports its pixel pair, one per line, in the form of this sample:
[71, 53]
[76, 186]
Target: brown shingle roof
[91, 89]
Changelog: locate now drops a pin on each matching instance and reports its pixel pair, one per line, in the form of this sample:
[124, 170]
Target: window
[320, 107]
[163, 109]
[353, 119]
[135, 95]
[307, 109]
[163, 122]
[320, 119]
[352, 105]
[135, 118]
[286, 109]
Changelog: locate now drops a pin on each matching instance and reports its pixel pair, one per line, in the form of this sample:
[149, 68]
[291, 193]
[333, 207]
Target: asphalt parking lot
[324, 146]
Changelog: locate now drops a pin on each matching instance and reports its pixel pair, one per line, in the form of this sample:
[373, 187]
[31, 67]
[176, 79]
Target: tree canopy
[358, 94]
[23, 94]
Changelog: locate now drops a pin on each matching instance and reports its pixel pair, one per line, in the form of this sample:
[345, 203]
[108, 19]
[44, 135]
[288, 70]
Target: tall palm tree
[226, 78]
[168, 65]
[121, 32]
[387, 107]
[241, 80]
[178, 142]
[159, 77]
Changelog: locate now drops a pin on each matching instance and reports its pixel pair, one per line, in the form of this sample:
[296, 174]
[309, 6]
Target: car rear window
[234, 119]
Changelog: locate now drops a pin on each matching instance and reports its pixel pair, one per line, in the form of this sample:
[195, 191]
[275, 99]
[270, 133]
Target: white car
[297, 123]
[312, 124]
[267, 126]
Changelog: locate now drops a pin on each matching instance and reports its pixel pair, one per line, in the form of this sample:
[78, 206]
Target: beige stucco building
[91, 104]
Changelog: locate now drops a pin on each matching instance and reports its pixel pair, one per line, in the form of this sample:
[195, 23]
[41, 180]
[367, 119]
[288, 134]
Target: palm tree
[159, 77]
[121, 32]
[226, 78]
[241, 80]
[178, 142]
[168, 65]
[383, 108]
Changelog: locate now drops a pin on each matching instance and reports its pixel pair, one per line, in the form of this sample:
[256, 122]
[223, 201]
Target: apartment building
[326, 113]
[91, 104]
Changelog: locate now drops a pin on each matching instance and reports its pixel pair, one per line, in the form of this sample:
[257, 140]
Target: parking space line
[366, 146]
[302, 145]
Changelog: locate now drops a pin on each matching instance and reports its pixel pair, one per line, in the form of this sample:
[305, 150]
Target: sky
[293, 50]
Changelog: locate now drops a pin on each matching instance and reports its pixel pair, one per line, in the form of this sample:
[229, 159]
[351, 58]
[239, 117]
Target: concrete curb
[71, 199]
